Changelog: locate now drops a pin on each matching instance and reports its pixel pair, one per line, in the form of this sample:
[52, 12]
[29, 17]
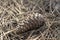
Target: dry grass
[13, 12]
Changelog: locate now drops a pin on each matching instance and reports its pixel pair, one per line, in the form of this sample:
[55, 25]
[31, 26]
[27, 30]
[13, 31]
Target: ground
[13, 12]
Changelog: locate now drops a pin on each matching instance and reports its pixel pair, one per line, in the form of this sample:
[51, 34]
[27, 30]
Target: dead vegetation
[13, 12]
